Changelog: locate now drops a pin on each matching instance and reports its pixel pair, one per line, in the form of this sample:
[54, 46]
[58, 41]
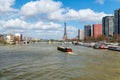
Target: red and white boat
[64, 49]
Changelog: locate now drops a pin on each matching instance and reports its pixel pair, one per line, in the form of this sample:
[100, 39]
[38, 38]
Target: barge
[115, 48]
[64, 49]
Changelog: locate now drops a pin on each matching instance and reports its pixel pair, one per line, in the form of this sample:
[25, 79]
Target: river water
[42, 61]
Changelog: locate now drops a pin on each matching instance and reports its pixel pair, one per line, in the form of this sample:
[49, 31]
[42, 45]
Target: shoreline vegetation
[108, 39]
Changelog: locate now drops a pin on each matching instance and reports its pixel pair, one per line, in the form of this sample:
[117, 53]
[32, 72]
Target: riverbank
[100, 45]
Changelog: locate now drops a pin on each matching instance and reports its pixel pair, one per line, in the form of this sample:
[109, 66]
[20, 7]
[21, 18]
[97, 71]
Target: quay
[99, 45]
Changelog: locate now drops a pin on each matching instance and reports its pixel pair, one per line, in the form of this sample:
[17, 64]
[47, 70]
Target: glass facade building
[117, 21]
[107, 25]
[87, 30]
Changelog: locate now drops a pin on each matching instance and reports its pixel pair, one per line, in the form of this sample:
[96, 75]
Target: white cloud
[39, 7]
[21, 24]
[5, 5]
[15, 24]
[85, 15]
[44, 10]
[7, 11]
[100, 1]
[51, 10]
[57, 15]
[45, 26]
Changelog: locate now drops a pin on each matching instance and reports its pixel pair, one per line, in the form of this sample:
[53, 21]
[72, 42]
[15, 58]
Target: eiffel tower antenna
[65, 32]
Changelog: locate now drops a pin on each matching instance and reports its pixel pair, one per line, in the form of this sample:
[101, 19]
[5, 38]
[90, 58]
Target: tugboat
[64, 49]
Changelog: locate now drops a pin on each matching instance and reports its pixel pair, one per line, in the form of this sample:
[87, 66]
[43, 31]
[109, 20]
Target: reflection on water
[43, 62]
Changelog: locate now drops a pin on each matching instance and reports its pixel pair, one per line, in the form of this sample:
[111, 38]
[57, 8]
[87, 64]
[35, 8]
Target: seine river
[42, 61]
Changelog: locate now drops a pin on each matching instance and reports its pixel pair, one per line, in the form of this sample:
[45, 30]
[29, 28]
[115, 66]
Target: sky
[45, 19]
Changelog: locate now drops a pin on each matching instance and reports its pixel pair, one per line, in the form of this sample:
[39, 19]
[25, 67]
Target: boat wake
[71, 53]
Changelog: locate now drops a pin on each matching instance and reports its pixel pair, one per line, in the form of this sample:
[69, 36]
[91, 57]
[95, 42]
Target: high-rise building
[91, 30]
[117, 21]
[87, 30]
[103, 25]
[107, 25]
[97, 30]
[65, 33]
[81, 34]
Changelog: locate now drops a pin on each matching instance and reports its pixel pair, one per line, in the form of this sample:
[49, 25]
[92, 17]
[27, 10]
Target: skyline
[45, 18]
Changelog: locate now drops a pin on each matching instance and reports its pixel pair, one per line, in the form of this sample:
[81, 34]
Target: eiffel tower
[65, 33]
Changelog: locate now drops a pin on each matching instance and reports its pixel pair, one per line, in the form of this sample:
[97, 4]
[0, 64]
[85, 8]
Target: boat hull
[64, 49]
[115, 48]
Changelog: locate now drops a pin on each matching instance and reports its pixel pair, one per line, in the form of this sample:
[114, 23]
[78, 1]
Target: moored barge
[115, 48]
